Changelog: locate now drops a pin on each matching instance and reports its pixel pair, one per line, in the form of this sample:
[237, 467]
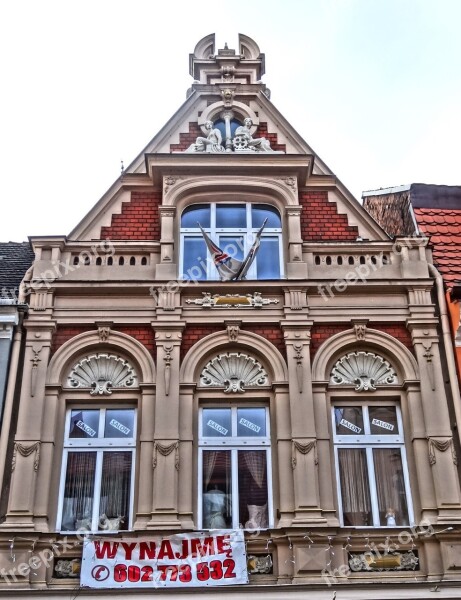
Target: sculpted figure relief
[244, 141]
[212, 143]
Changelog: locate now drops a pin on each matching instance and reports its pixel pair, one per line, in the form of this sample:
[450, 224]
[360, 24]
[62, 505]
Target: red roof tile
[443, 227]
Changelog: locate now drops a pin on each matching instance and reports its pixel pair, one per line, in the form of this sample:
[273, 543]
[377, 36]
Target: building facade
[228, 342]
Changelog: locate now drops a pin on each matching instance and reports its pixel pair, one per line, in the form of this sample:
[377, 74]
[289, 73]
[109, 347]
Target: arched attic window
[233, 228]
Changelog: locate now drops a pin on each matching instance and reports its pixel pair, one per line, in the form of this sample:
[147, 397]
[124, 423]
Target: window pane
[390, 487]
[217, 489]
[252, 481]
[233, 246]
[216, 422]
[355, 489]
[349, 420]
[78, 491]
[114, 503]
[221, 125]
[119, 424]
[195, 258]
[197, 213]
[231, 215]
[251, 422]
[267, 259]
[383, 420]
[259, 212]
[84, 424]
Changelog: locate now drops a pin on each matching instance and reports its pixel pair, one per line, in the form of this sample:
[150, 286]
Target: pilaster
[440, 450]
[165, 452]
[304, 457]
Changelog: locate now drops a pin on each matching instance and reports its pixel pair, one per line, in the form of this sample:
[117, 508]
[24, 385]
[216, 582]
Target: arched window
[233, 228]
[234, 465]
[97, 476]
[372, 471]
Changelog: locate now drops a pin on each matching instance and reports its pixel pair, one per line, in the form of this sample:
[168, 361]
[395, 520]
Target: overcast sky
[374, 86]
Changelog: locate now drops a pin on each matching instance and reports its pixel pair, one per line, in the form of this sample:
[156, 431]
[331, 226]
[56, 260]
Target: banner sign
[196, 559]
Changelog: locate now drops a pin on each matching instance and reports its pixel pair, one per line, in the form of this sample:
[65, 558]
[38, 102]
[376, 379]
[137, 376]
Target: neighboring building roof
[432, 210]
[443, 226]
[15, 259]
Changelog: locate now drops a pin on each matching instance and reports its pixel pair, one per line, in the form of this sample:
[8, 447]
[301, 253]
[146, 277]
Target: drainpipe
[9, 398]
[448, 344]
[12, 376]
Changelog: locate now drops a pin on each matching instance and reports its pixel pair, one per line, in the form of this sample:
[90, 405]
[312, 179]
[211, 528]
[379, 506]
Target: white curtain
[390, 485]
[355, 489]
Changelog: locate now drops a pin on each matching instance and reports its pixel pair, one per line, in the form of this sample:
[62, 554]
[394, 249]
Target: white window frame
[215, 233]
[369, 442]
[97, 445]
[235, 443]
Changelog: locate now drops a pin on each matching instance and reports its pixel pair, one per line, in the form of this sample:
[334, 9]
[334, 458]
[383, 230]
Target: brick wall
[139, 219]
[186, 139]
[271, 333]
[320, 220]
[64, 333]
[272, 137]
[193, 333]
[143, 333]
[396, 330]
[321, 332]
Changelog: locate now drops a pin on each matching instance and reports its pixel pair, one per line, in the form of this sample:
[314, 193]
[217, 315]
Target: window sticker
[217, 427]
[86, 428]
[116, 425]
[383, 424]
[350, 426]
[250, 425]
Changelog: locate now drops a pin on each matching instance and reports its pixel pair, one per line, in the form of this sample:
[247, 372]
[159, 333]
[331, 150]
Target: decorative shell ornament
[364, 369]
[102, 373]
[234, 371]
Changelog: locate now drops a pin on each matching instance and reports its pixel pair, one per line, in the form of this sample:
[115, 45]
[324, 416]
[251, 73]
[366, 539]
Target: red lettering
[128, 549]
[229, 565]
[108, 549]
[199, 548]
[165, 550]
[147, 549]
[223, 544]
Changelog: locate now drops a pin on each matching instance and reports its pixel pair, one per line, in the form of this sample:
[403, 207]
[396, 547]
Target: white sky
[374, 86]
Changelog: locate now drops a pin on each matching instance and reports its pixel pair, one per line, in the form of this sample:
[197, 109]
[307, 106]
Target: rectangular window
[234, 465]
[371, 463]
[97, 476]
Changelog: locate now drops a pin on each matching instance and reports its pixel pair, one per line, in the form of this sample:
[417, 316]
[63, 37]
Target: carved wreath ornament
[102, 373]
[364, 369]
[234, 371]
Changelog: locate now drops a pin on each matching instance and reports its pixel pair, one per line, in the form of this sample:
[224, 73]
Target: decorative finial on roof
[226, 47]
[122, 169]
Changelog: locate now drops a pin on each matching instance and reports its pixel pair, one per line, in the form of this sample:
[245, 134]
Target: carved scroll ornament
[364, 369]
[102, 373]
[234, 371]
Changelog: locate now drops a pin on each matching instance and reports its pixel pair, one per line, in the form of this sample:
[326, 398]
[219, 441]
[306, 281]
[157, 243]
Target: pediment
[253, 136]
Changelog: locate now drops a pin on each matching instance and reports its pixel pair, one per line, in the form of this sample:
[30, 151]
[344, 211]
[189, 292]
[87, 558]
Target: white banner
[188, 560]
